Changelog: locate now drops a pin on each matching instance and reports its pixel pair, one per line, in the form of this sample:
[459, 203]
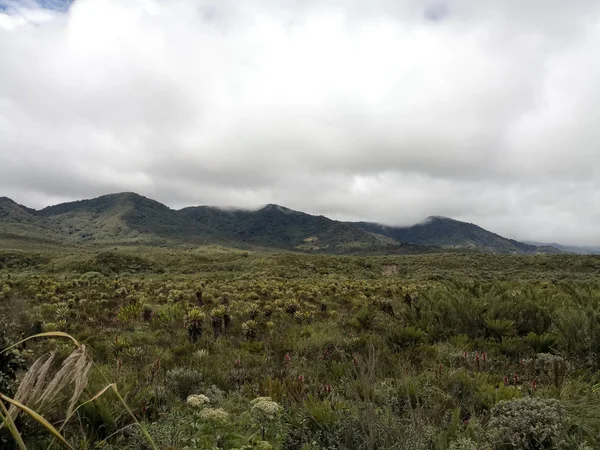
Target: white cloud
[376, 110]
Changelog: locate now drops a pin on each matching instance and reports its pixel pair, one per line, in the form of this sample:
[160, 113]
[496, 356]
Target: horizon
[478, 110]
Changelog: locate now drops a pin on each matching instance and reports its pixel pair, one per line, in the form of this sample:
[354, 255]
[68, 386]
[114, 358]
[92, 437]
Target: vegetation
[209, 347]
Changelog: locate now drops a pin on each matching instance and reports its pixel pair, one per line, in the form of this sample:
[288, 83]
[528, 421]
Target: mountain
[18, 220]
[449, 233]
[280, 227]
[124, 217]
[577, 249]
[129, 218]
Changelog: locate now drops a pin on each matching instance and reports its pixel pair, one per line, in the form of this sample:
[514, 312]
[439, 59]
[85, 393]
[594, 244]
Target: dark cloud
[381, 110]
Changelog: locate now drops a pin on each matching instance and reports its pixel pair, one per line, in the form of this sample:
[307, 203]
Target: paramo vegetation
[210, 348]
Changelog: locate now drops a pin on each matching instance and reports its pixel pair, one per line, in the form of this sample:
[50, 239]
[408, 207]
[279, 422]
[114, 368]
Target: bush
[463, 444]
[526, 423]
[184, 382]
[406, 337]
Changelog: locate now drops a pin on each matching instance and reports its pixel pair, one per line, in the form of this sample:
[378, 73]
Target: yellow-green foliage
[355, 356]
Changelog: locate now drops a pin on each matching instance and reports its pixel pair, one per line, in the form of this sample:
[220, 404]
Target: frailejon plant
[195, 323]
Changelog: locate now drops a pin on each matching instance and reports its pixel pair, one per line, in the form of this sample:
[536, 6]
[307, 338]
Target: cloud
[375, 110]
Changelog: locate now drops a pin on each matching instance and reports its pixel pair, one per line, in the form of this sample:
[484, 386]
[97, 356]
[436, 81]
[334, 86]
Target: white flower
[215, 415]
[260, 399]
[197, 400]
[265, 408]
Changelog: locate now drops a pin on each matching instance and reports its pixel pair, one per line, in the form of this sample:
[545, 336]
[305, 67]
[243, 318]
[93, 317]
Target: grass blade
[5, 417]
[41, 335]
[142, 427]
[35, 416]
[98, 394]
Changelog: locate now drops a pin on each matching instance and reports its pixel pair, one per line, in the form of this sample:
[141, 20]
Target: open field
[428, 351]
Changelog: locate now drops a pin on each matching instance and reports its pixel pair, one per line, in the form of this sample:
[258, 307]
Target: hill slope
[124, 217]
[18, 220]
[449, 233]
[280, 227]
[576, 249]
[131, 218]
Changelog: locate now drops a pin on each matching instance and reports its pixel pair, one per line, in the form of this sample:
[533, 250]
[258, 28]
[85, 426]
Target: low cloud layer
[377, 110]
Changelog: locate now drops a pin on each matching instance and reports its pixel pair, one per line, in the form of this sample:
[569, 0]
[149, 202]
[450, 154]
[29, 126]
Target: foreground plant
[34, 390]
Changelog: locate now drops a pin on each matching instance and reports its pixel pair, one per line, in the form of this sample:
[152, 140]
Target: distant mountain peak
[274, 207]
[7, 202]
[445, 232]
[432, 218]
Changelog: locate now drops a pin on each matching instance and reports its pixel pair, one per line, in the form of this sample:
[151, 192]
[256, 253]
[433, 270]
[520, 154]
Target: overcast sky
[382, 110]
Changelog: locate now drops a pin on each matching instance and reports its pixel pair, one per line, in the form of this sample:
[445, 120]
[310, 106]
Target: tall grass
[33, 389]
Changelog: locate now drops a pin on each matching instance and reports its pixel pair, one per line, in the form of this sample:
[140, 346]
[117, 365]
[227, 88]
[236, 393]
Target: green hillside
[449, 233]
[129, 218]
[280, 227]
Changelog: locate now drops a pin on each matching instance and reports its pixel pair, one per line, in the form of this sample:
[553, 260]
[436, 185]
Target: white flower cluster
[197, 400]
[215, 415]
[265, 408]
[260, 399]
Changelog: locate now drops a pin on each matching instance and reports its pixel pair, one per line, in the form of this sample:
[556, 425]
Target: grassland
[436, 351]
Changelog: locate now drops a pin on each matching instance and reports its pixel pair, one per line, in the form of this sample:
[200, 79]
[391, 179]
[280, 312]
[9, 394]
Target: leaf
[46, 334]
[12, 427]
[35, 416]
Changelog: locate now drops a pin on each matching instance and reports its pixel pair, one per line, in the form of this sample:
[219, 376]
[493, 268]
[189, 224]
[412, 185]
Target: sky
[482, 110]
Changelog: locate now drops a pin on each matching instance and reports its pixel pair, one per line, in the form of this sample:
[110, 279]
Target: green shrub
[406, 337]
[184, 382]
[463, 444]
[526, 423]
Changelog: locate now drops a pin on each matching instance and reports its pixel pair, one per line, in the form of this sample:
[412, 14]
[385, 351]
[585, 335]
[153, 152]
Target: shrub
[498, 329]
[184, 382]
[526, 423]
[406, 337]
[463, 444]
[541, 343]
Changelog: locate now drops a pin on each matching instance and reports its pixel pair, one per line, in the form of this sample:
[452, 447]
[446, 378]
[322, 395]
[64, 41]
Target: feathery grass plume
[31, 383]
[81, 379]
[41, 379]
[28, 382]
[74, 369]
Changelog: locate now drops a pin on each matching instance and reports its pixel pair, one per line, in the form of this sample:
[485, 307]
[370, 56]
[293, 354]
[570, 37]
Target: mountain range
[129, 218]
